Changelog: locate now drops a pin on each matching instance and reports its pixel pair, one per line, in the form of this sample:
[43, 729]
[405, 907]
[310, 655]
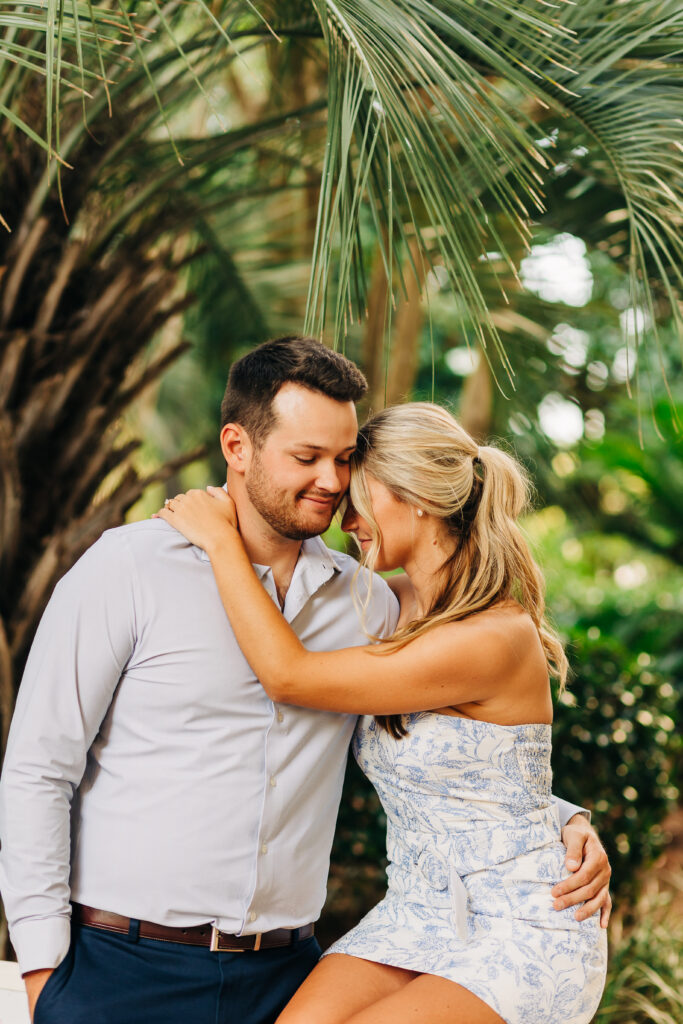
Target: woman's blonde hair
[425, 458]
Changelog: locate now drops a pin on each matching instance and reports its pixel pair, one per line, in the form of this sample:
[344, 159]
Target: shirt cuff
[41, 944]
[567, 811]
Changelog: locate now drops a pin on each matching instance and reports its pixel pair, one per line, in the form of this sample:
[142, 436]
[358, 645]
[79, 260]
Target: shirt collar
[315, 566]
[316, 552]
[314, 558]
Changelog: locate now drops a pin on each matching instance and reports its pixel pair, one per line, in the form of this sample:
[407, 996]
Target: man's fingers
[606, 911]
[586, 876]
[595, 869]
[574, 850]
[602, 903]
[589, 908]
[586, 892]
[219, 493]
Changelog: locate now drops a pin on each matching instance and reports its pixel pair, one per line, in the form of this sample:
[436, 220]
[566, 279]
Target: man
[165, 828]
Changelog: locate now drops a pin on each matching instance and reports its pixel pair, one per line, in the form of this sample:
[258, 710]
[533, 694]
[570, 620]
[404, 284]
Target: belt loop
[295, 935]
[133, 930]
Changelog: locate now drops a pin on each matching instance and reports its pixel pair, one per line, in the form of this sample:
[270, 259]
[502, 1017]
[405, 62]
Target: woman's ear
[236, 447]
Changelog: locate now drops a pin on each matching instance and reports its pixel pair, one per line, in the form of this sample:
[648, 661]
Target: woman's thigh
[427, 998]
[341, 986]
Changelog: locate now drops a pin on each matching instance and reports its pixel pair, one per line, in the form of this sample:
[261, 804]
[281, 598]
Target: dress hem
[434, 974]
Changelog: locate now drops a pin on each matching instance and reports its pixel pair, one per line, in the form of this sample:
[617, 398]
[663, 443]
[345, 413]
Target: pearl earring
[420, 512]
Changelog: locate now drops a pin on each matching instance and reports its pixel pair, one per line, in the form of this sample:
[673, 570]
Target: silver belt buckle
[215, 943]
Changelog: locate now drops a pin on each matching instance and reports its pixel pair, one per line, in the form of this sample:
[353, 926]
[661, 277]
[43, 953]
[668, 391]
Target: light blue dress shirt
[147, 771]
[192, 798]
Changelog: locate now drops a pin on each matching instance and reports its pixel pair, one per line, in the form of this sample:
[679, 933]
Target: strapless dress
[474, 848]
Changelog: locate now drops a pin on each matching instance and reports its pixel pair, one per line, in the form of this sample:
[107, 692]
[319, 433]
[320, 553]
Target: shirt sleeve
[567, 810]
[84, 640]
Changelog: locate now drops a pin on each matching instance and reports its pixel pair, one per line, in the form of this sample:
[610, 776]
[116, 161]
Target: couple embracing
[177, 753]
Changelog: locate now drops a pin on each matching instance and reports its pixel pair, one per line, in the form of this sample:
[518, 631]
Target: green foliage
[645, 974]
[617, 486]
[452, 123]
[361, 826]
[615, 747]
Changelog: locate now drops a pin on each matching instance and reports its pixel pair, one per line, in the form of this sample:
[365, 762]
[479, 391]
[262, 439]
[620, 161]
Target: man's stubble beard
[278, 508]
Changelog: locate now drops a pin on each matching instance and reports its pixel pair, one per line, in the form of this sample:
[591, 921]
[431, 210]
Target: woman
[457, 738]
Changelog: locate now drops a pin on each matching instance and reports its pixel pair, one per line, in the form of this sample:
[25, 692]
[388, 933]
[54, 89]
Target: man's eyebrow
[318, 447]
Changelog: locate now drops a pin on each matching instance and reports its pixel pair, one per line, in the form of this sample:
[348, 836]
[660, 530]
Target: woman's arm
[449, 665]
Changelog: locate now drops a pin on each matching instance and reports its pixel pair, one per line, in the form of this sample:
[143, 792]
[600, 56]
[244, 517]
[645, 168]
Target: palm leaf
[433, 119]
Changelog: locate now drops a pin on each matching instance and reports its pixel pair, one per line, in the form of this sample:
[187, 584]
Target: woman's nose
[349, 519]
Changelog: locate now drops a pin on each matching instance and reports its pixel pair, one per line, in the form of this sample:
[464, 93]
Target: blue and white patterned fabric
[474, 848]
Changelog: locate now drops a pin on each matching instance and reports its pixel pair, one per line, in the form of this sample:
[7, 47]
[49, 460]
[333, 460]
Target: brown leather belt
[199, 935]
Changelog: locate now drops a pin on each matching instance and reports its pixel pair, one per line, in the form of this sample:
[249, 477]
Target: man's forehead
[311, 418]
[306, 438]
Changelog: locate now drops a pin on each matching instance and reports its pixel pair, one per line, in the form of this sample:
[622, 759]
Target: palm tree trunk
[476, 402]
[392, 371]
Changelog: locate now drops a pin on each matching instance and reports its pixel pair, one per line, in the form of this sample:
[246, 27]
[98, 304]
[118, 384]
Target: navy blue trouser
[120, 979]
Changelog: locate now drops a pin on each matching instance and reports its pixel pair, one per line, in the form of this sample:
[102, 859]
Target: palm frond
[416, 129]
[438, 120]
[625, 111]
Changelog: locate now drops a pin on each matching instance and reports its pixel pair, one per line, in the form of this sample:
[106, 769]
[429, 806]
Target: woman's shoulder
[503, 618]
[502, 648]
[503, 637]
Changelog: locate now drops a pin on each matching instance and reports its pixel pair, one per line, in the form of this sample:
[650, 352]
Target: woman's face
[395, 521]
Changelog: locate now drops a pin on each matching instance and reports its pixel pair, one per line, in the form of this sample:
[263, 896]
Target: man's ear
[236, 447]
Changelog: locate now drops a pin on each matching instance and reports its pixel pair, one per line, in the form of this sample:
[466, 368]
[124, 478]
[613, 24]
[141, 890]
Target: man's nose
[332, 478]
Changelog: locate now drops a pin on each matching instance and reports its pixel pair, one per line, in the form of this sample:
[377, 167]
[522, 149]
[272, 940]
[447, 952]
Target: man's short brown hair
[256, 378]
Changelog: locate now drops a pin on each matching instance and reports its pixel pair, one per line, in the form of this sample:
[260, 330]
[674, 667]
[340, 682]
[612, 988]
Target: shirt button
[280, 717]
[264, 847]
[273, 781]
[252, 916]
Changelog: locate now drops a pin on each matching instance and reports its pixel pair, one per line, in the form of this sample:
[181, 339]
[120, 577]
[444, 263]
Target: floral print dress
[474, 848]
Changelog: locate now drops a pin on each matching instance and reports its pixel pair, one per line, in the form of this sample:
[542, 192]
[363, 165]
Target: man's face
[298, 477]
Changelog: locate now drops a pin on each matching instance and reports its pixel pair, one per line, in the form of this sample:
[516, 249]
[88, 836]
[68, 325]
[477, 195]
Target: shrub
[645, 974]
[616, 747]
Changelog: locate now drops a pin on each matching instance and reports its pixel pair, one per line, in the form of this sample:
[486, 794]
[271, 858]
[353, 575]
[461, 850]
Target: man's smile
[322, 502]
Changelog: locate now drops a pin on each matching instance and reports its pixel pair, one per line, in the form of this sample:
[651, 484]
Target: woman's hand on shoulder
[206, 518]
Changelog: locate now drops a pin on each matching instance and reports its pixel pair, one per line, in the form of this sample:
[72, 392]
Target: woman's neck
[424, 565]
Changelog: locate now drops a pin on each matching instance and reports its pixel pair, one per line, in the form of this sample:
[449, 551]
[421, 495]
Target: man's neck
[267, 547]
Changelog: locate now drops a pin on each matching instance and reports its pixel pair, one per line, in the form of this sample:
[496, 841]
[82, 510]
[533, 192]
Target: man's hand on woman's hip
[591, 871]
